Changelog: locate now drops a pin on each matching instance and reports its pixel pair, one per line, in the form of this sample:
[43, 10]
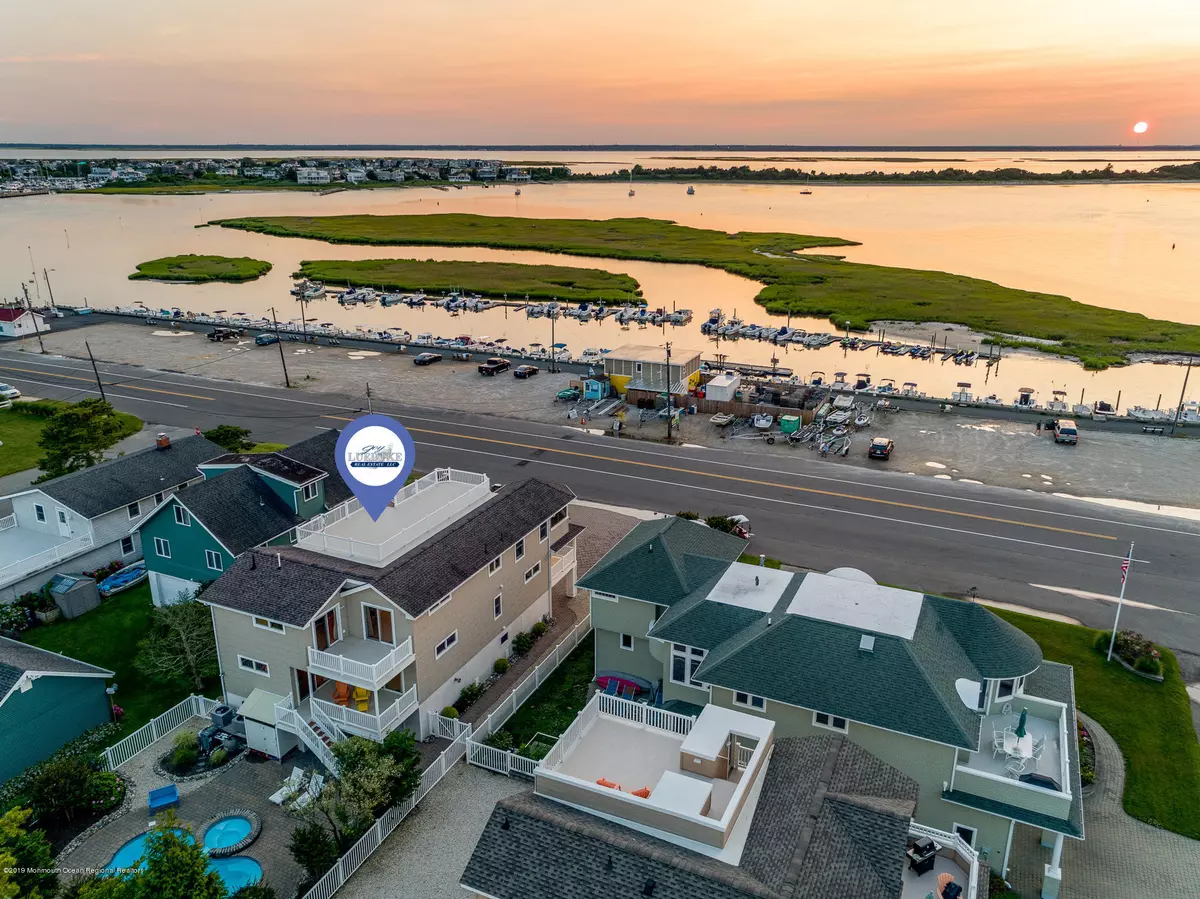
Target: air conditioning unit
[222, 716]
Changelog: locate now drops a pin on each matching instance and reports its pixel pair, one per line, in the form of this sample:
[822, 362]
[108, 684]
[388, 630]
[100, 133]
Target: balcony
[33, 550]
[561, 563]
[386, 710]
[954, 857]
[419, 510]
[362, 663]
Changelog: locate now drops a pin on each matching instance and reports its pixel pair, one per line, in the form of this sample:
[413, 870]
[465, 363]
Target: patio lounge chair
[610, 689]
[290, 788]
[628, 692]
[314, 790]
[341, 693]
[362, 699]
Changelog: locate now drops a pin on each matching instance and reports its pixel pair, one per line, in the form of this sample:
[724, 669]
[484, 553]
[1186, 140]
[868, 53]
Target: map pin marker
[375, 456]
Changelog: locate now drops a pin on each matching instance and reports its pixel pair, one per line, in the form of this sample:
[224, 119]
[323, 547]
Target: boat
[691, 190]
[992, 400]
[909, 389]
[817, 378]
[887, 386]
[1079, 410]
[517, 192]
[1059, 403]
[721, 419]
[590, 356]
[309, 290]
[839, 382]
[862, 419]
[963, 394]
[762, 421]
[1140, 413]
[1025, 398]
[129, 576]
[631, 192]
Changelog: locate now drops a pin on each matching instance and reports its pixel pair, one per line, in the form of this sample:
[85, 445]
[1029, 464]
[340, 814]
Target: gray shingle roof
[415, 581]
[276, 464]
[134, 476]
[319, 452]
[239, 509]
[831, 820]
[16, 658]
[663, 561]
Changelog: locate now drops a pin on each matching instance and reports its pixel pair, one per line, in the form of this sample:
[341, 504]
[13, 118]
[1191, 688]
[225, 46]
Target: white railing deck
[961, 847]
[378, 725]
[288, 719]
[562, 563]
[44, 559]
[193, 707]
[8, 521]
[334, 665]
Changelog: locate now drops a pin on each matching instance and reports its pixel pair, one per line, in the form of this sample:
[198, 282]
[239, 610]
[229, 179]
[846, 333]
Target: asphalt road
[1035, 550]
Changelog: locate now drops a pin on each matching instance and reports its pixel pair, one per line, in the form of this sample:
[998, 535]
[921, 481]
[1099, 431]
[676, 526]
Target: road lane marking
[47, 374]
[117, 396]
[789, 502]
[772, 484]
[1104, 597]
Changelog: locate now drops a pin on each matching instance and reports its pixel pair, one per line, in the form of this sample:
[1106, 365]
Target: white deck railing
[326, 723]
[193, 707]
[314, 533]
[44, 559]
[563, 562]
[379, 724]
[287, 718]
[336, 666]
[961, 847]
[744, 754]
[8, 521]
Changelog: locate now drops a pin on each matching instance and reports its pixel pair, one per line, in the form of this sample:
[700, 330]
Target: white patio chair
[314, 790]
[997, 743]
[1038, 748]
[291, 786]
[1015, 767]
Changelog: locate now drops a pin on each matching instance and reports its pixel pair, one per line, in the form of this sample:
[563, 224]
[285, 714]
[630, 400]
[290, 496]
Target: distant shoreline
[753, 148]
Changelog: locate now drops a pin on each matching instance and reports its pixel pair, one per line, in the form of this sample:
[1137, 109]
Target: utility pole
[33, 315]
[33, 269]
[95, 371]
[553, 349]
[1182, 391]
[668, 391]
[286, 380]
[369, 409]
[46, 275]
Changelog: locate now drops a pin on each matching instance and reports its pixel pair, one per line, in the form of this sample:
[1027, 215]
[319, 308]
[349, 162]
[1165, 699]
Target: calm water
[1108, 245]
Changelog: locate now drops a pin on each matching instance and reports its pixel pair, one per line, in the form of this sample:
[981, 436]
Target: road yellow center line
[759, 483]
[44, 374]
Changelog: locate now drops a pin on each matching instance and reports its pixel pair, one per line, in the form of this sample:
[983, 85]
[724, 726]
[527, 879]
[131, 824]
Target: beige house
[362, 626]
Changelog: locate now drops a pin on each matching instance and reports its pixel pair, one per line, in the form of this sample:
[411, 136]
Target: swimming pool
[227, 831]
[130, 855]
[237, 871]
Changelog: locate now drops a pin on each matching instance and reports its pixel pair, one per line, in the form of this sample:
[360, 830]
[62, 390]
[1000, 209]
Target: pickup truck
[494, 366]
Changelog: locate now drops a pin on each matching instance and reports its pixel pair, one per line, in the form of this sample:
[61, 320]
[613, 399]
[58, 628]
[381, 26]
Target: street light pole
[33, 315]
[668, 391]
[46, 275]
[99, 383]
[1182, 391]
[287, 381]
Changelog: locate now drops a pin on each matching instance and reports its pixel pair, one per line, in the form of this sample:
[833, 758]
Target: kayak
[129, 576]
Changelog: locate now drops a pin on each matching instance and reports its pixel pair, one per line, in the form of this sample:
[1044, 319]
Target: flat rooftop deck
[1040, 728]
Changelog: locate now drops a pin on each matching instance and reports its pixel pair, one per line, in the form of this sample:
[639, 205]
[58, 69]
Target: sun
[1141, 128]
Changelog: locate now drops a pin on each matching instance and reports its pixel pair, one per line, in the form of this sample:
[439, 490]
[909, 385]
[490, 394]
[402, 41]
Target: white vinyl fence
[193, 707]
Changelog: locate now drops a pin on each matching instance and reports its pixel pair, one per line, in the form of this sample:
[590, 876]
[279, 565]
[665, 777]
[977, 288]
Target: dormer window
[1006, 688]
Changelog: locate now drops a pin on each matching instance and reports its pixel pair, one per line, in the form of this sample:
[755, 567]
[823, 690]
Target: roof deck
[26, 551]
[419, 510]
[1039, 729]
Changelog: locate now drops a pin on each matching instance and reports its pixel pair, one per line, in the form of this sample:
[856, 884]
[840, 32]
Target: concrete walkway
[1121, 857]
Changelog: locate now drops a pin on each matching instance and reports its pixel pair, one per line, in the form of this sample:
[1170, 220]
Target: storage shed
[724, 387]
[258, 711]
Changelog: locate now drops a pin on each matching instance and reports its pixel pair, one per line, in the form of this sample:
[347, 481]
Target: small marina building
[18, 322]
[645, 368]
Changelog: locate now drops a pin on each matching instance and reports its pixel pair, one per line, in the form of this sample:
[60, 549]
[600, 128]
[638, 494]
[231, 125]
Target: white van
[1065, 431]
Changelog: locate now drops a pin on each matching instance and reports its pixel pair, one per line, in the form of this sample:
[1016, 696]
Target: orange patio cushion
[643, 793]
[608, 783]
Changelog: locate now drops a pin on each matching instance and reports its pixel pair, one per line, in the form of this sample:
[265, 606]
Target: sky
[854, 72]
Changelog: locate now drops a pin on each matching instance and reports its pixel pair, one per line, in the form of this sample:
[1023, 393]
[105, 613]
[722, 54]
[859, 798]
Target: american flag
[1124, 569]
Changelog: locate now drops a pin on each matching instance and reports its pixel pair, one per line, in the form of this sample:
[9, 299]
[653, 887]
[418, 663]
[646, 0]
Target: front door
[64, 523]
[327, 629]
[302, 689]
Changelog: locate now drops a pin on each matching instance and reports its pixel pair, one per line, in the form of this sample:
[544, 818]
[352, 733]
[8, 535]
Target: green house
[245, 500]
[46, 700]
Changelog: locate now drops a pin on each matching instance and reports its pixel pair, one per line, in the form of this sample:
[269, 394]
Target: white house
[460, 177]
[100, 174]
[355, 176]
[18, 322]
[312, 176]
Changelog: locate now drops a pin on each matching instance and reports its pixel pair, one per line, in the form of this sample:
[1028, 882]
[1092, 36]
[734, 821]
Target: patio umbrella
[1021, 723]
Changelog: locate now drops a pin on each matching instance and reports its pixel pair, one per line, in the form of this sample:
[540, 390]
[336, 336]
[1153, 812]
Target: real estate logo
[375, 456]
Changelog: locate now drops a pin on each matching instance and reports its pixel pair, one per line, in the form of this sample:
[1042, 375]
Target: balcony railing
[8, 521]
[561, 563]
[376, 726]
[47, 557]
[372, 675]
[968, 858]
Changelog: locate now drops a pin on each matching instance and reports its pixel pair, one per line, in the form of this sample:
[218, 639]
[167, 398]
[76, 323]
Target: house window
[520, 550]
[254, 665]
[62, 517]
[749, 700]
[627, 642]
[1005, 689]
[558, 517]
[830, 722]
[162, 547]
[134, 510]
[268, 624]
[444, 646]
[127, 546]
[494, 565]
[498, 605]
[967, 834]
[441, 602]
[158, 498]
[213, 560]
[533, 572]
[504, 638]
[310, 491]
[182, 517]
[637, 367]
[544, 531]
[39, 512]
[611, 597]
[684, 662]
[377, 624]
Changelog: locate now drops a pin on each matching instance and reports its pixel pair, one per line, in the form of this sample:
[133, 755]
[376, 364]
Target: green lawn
[819, 285]
[554, 705]
[1151, 722]
[268, 447]
[752, 559]
[195, 269]
[538, 282]
[108, 637]
[20, 434]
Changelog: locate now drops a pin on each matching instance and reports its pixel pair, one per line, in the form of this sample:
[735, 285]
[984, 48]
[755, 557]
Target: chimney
[162, 441]
[762, 560]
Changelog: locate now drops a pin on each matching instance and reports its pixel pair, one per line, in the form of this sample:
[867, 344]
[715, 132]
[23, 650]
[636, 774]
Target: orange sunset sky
[652, 71]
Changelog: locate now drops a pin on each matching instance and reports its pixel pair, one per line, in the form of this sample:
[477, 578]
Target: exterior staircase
[320, 732]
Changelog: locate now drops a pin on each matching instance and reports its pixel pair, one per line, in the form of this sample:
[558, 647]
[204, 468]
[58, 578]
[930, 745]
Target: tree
[401, 745]
[62, 788]
[180, 641]
[721, 523]
[26, 859]
[260, 890]
[176, 866]
[313, 848]
[77, 437]
[230, 437]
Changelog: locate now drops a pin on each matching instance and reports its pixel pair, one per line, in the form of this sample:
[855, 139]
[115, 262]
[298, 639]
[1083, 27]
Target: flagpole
[1120, 599]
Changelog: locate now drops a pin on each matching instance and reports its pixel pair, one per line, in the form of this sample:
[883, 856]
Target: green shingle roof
[664, 561]
[995, 647]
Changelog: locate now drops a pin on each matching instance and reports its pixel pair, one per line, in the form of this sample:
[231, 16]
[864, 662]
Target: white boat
[721, 419]
[1081, 411]
[992, 400]
[1059, 404]
[691, 190]
[762, 421]
[590, 356]
[309, 290]
[1139, 413]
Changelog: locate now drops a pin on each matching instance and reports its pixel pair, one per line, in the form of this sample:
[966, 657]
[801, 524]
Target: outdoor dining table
[1018, 747]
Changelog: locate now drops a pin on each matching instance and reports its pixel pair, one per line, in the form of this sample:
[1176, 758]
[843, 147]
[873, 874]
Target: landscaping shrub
[999, 889]
[37, 600]
[501, 739]
[107, 792]
[449, 712]
[1087, 756]
[522, 643]
[500, 665]
[14, 619]
[260, 890]
[186, 752]
[539, 628]
[104, 571]
[721, 523]
[537, 750]
[313, 848]
[84, 748]
[1148, 665]
[687, 516]
[218, 757]
[1135, 650]
[42, 408]
[467, 698]
[28, 859]
[1101, 644]
[62, 789]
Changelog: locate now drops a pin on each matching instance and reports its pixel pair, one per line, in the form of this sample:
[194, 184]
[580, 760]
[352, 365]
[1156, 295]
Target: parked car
[1065, 431]
[219, 334]
[426, 358]
[266, 339]
[9, 392]
[880, 448]
[568, 393]
[525, 371]
[494, 366]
